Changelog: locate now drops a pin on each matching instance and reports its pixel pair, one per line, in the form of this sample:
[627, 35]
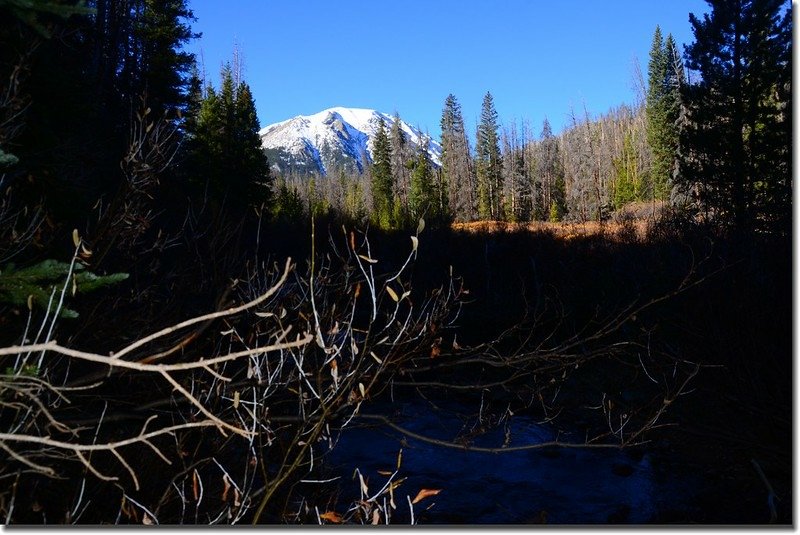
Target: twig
[773, 512]
[539, 445]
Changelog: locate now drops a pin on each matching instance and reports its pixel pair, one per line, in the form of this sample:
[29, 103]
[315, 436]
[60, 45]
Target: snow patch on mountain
[333, 138]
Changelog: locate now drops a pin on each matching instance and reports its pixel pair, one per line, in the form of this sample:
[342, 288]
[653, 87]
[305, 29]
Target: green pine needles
[38, 285]
[666, 77]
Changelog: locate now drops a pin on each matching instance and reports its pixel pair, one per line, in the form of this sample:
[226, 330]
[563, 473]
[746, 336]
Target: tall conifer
[665, 76]
[488, 162]
[422, 200]
[735, 151]
[382, 183]
[457, 180]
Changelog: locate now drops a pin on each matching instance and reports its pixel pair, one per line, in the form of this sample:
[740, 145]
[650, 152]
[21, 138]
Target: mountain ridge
[334, 138]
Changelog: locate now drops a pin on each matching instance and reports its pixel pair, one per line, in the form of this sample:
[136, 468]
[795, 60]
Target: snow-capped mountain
[333, 138]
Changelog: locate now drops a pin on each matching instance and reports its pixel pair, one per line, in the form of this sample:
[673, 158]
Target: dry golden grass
[635, 215]
[612, 230]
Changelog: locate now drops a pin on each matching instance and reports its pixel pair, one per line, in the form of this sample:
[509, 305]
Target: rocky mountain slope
[336, 138]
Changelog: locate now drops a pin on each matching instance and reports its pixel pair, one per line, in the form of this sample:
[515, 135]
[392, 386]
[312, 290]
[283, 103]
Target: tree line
[708, 138]
[105, 113]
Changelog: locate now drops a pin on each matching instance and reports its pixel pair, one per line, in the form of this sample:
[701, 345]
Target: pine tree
[225, 150]
[516, 186]
[549, 174]
[665, 77]
[253, 164]
[457, 179]
[401, 162]
[735, 156]
[488, 162]
[161, 64]
[422, 198]
[382, 182]
[627, 183]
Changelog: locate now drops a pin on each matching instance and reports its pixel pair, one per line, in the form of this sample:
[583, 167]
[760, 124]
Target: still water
[552, 485]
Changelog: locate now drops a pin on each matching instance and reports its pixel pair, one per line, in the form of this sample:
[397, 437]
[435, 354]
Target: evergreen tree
[422, 198]
[457, 179]
[488, 162]
[549, 174]
[162, 66]
[253, 164]
[516, 186]
[225, 150]
[627, 183]
[288, 205]
[665, 77]
[735, 157]
[401, 162]
[382, 182]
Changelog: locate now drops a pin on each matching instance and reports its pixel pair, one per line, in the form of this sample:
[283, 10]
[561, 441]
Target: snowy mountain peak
[336, 138]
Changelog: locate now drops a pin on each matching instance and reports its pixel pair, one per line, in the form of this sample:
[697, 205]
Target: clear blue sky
[537, 57]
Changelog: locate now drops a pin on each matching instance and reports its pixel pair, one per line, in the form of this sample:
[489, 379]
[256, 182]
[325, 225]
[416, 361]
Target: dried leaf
[392, 294]
[146, 520]
[367, 259]
[399, 458]
[362, 390]
[376, 517]
[226, 488]
[331, 516]
[397, 483]
[364, 488]
[420, 226]
[373, 355]
[236, 400]
[425, 493]
[76, 239]
[353, 241]
[385, 472]
[30, 302]
[358, 290]
[195, 486]
[335, 373]
[414, 243]
[264, 314]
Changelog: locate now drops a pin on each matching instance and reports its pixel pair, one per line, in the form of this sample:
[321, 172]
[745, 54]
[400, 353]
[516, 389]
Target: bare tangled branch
[25, 442]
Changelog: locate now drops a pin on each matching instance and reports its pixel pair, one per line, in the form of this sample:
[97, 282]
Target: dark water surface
[555, 485]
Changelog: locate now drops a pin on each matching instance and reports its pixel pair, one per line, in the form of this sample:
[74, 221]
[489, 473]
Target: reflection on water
[555, 485]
